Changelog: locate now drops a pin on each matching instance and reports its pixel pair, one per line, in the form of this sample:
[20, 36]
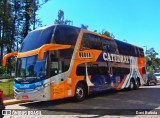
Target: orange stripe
[119, 86]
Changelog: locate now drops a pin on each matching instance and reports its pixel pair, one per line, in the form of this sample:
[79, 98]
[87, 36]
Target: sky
[134, 21]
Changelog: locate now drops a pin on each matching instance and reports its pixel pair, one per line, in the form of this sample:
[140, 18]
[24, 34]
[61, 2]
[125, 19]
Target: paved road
[147, 98]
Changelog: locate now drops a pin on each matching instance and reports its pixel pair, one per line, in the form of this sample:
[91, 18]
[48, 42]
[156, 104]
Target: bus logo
[115, 58]
[24, 86]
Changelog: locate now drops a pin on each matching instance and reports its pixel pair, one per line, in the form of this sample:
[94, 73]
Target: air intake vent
[85, 55]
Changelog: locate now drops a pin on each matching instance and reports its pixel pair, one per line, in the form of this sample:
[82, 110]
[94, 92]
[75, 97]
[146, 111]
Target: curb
[14, 101]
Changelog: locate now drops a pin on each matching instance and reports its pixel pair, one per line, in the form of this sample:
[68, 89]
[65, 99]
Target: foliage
[106, 33]
[153, 63]
[84, 26]
[95, 31]
[7, 87]
[17, 18]
[60, 19]
[3, 72]
[151, 53]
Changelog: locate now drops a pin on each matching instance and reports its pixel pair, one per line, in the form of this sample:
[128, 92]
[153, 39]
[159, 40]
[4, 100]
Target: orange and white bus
[61, 61]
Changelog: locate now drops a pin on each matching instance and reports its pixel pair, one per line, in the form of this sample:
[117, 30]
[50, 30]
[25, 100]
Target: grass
[7, 88]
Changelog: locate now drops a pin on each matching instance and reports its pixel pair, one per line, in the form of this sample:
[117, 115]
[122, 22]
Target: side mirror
[47, 47]
[7, 56]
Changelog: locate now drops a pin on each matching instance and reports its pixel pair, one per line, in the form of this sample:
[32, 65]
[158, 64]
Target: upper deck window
[37, 38]
[92, 41]
[128, 49]
[66, 35]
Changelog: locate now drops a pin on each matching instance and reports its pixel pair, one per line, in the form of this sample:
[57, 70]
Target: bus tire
[137, 84]
[132, 84]
[80, 92]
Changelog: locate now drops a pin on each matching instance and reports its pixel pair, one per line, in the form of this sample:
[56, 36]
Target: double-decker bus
[61, 61]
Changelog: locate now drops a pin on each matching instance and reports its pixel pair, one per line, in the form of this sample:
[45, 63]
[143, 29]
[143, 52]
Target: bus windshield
[31, 69]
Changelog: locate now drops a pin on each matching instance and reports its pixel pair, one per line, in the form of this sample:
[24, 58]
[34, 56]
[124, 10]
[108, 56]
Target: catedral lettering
[61, 61]
[115, 58]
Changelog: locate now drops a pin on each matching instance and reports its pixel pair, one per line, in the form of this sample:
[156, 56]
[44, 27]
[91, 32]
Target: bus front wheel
[80, 92]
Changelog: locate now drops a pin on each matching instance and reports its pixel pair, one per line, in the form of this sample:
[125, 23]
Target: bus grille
[24, 91]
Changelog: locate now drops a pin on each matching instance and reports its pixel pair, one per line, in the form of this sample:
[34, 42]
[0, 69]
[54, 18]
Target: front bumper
[38, 95]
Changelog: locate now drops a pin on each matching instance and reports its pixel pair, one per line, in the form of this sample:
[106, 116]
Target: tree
[60, 19]
[28, 12]
[7, 41]
[106, 33]
[151, 53]
[17, 18]
[84, 26]
[153, 63]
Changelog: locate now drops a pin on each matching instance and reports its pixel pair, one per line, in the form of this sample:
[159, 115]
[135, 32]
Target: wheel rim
[149, 83]
[79, 92]
[131, 85]
[137, 84]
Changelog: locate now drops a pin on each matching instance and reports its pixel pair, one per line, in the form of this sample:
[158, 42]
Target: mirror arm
[7, 56]
[47, 47]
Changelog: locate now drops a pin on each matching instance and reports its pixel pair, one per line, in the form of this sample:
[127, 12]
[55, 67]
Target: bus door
[56, 75]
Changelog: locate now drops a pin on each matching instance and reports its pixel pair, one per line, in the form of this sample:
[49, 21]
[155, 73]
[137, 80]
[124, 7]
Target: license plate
[24, 97]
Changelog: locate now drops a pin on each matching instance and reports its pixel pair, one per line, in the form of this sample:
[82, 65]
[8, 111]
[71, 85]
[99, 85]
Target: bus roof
[104, 36]
[45, 27]
[129, 44]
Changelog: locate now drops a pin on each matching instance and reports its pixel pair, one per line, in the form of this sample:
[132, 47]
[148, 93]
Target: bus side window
[85, 42]
[81, 70]
[113, 50]
[106, 48]
[54, 65]
[141, 52]
[143, 70]
[135, 50]
[109, 45]
[91, 41]
[66, 35]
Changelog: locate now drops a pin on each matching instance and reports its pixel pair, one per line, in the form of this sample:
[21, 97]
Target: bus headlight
[43, 86]
[47, 84]
[39, 87]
